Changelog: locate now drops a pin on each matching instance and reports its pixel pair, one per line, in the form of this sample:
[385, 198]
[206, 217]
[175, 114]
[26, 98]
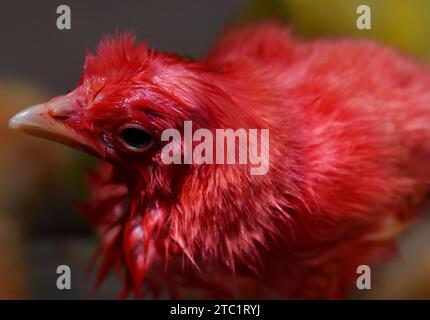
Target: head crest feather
[117, 55]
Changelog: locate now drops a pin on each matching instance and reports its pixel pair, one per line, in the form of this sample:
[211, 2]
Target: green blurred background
[401, 23]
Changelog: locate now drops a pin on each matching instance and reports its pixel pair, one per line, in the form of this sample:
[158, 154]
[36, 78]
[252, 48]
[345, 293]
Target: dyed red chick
[349, 124]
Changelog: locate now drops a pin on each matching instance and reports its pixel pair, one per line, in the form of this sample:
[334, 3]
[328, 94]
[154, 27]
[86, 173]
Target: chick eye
[135, 139]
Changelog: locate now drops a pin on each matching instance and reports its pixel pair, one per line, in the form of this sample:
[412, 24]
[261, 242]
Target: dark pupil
[135, 138]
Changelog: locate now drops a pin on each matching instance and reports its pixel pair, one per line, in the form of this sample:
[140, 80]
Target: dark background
[33, 48]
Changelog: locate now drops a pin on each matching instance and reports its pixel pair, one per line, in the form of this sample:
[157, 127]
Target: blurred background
[41, 182]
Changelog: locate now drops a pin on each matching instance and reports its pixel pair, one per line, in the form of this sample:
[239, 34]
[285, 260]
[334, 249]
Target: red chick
[349, 124]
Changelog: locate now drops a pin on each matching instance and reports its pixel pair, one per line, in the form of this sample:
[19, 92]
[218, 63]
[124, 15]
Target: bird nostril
[59, 116]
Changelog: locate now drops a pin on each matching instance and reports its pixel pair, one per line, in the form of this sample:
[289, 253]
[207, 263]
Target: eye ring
[135, 137]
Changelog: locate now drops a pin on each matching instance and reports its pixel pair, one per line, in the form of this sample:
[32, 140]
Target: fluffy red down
[349, 128]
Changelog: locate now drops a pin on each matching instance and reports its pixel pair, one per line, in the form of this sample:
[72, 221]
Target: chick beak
[47, 120]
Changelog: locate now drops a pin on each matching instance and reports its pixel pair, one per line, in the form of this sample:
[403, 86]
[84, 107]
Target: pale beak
[47, 121]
